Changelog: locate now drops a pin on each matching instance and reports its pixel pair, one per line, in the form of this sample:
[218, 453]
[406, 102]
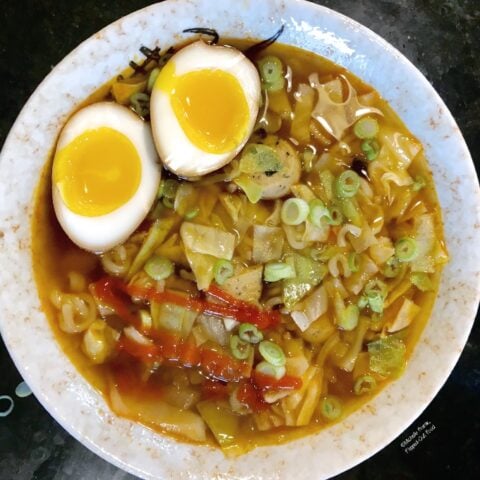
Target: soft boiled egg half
[105, 175]
[203, 108]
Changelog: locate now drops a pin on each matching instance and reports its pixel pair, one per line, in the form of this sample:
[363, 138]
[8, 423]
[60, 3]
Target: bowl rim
[316, 11]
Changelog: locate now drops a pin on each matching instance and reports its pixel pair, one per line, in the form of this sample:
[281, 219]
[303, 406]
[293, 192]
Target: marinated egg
[203, 108]
[105, 175]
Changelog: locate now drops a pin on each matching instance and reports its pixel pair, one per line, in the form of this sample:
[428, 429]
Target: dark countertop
[442, 38]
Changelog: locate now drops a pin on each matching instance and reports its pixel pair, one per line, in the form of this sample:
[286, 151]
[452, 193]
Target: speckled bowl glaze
[54, 380]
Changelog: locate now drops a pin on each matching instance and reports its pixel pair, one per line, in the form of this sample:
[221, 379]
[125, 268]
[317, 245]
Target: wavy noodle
[77, 312]
[348, 228]
[118, 260]
[294, 237]
[333, 267]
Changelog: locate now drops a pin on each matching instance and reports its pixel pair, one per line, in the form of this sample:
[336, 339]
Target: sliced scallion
[336, 216]
[370, 148]
[170, 188]
[272, 353]
[318, 212]
[275, 271]
[406, 249]
[250, 333]
[349, 317]
[240, 349]
[392, 267]
[266, 368]
[364, 384]
[140, 103]
[158, 268]
[271, 73]
[366, 127]
[422, 281]
[347, 184]
[330, 407]
[419, 183]
[192, 213]
[222, 271]
[294, 211]
[375, 292]
[352, 261]
[152, 78]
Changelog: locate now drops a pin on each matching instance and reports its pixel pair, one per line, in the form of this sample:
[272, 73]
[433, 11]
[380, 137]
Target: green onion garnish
[140, 103]
[349, 318]
[272, 353]
[330, 408]
[422, 281]
[375, 292]
[364, 384]
[192, 213]
[152, 77]
[406, 249]
[250, 333]
[222, 271]
[352, 261]
[336, 216]
[170, 188]
[275, 271]
[271, 72]
[347, 184]
[294, 211]
[392, 267]
[158, 267]
[266, 368]
[317, 212]
[419, 183]
[168, 202]
[240, 349]
[366, 127]
[370, 148]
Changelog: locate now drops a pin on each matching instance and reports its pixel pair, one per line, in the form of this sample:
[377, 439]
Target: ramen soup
[237, 246]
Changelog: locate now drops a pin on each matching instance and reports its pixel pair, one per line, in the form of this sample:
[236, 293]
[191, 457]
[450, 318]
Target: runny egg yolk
[97, 172]
[210, 106]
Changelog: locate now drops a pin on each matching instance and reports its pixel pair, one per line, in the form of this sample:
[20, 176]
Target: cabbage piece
[156, 412]
[382, 250]
[319, 330]
[246, 283]
[408, 311]
[202, 267]
[308, 275]
[387, 356]
[401, 148]
[207, 240]
[155, 237]
[310, 308]
[365, 240]
[335, 115]
[267, 243]
[174, 318]
[186, 199]
[232, 204]
[213, 329]
[425, 238]
[223, 423]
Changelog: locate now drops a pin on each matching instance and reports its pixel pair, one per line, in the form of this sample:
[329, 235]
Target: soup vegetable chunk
[267, 275]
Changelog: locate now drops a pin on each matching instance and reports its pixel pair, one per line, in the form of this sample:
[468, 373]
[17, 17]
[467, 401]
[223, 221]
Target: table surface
[442, 38]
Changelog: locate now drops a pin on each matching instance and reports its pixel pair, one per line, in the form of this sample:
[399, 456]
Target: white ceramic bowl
[54, 380]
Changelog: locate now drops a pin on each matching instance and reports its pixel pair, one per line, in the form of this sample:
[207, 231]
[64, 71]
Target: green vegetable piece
[392, 267]
[240, 349]
[330, 408]
[336, 216]
[168, 202]
[347, 184]
[366, 127]
[294, 211]
[140, 103]
[222, 271]
[275, 271]
[419, 183]
[406, 249]
[192, 213]
[271, 73]
[370, 148]
[158, 267]
[364, 384]
[375, 292]
[152, 78]
[387, 356]
[349, 318]
[352, 261]
[259, 158]
[422, 281]
[170, 188]
[272, 353]
[250, 333]
[266, 368]
[351, 211]
[318, 212]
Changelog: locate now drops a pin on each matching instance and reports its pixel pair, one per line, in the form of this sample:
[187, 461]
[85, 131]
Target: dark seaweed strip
[150, 56]
[258, 47]
[205, 31]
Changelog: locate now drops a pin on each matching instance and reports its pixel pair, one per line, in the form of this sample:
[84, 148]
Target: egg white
[176, 151]
[103, 232]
